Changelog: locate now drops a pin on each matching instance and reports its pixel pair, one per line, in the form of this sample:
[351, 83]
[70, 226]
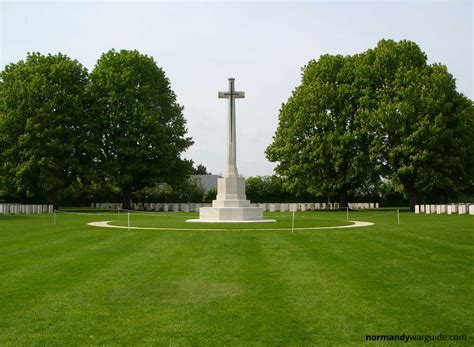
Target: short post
[347, 213]
[54, 217]
[398, 216]
[118, 213]
[293, 223]
[128, 217]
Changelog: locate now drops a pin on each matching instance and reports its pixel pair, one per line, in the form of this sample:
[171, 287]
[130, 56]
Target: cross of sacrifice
[231, 94]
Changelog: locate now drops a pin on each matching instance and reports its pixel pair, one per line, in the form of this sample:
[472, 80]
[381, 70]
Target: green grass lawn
[70, 283]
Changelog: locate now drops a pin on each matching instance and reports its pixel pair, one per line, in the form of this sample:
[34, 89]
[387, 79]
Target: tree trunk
[53, 199]
[126, 198]
[444, 198]
[343, 199]
[414, 198]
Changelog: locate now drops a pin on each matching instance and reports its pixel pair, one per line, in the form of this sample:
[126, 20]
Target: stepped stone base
[230, 215]
[231, 205]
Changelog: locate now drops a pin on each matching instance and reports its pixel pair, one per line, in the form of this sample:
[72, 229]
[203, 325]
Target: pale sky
[262, 44]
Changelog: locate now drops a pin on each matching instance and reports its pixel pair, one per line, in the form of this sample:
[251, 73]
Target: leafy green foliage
[383, 113]
[141, 126]
[188, 190]
[201, 170]
[271, 189]
[321, 144]
[210, 195]
[423, 126]
[43, 127]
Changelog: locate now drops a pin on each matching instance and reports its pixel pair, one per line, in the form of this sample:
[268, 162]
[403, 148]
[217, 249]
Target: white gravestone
[443, 208]
[231, 204]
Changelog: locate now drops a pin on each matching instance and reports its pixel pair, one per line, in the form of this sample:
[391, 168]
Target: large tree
[384, 112]
[142, 128]
[321, 144]
[43, 141]
[423, 126]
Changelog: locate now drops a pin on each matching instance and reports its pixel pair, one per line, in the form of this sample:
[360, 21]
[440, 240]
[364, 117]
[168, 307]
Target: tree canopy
[141, 125]
[43, 136]
[201, 170]
[382, 113]
[423, 126]
[321, 143]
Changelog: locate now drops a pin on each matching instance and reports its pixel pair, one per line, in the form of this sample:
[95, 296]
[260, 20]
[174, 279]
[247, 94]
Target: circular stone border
[105, 224]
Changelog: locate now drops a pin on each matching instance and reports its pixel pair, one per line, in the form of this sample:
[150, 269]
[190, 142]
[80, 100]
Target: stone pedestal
[231, 205]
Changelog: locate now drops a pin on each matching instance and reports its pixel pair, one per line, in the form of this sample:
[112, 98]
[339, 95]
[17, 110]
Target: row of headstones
[157, 207]
[169, 207]
[362, 205]
[25, 209]
[445, 209]
[107, 205]
[271, 207]
[283, 207]
[286, 207]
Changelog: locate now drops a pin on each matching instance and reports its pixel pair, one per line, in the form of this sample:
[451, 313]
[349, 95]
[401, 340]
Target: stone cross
[231, 169]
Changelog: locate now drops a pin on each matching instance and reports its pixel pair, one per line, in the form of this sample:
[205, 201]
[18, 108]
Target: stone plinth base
[230, 215]
[231, 205]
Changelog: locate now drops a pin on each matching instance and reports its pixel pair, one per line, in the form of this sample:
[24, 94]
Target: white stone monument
[231, 204]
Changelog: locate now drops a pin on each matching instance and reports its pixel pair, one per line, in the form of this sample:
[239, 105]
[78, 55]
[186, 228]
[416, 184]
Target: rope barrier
[377, 215]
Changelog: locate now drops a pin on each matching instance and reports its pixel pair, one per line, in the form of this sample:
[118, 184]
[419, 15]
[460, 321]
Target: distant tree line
[274, 189]
[382, 118]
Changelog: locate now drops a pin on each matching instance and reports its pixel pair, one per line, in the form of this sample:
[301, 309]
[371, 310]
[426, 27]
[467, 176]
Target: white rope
[377, 215]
